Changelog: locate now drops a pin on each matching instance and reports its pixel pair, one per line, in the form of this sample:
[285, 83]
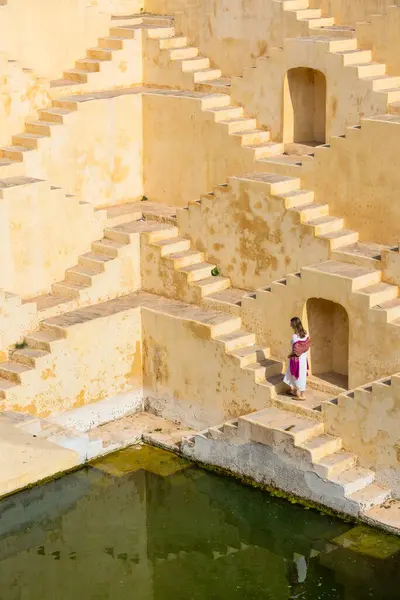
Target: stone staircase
[306, 446]
[381, 300]
[342, 244]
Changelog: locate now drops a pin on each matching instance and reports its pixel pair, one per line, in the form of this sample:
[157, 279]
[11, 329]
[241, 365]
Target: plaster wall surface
[97, 154]
[176, 133]
[380, 34]
[358, 177]
[100, 357]
[50, 36]
[349, 13]
[188, 376]
[36, 241]
[368, 422]
[22, 93]
[250, 234]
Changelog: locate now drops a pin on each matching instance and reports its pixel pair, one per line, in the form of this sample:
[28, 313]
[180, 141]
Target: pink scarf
[298, 349]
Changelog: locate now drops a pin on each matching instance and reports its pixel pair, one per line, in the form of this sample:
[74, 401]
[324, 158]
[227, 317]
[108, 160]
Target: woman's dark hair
[298, 327]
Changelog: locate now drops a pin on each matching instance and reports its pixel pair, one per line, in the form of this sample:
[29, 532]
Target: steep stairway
[346, 486]
[40, 349]
[343, 245]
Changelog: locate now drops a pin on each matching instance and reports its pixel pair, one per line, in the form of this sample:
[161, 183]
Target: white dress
[300, 383]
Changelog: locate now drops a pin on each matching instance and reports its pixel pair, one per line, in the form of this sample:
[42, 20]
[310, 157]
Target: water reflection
[144, 525]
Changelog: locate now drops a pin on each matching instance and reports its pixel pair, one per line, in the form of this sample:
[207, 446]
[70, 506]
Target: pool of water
[145, 525]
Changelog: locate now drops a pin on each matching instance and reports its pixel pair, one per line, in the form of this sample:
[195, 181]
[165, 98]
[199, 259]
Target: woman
[296, 374]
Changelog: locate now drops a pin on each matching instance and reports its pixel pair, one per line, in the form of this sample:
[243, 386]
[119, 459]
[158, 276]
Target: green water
[145, 525]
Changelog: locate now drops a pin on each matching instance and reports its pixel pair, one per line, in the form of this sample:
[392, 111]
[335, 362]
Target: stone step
[197, 272]
[108, 247]
[297, 198]
[210, 285]
[325, 224]
[340, 238]
[103, 54]
[362, 254]
[29, 356]
[183, 52]
[264, 369]
[378, 293]
[5, 386]
[237, 339]
[297, 428]
[81, 275]
[370, 69]
[254, 137]
[13, 371]
[68, 289]
[185, 258]
[321, 446]
[173, 42]
[390, 309]
[54, 114]
[359, 277]
[111, 42]
[209, 75]
[356, 56]
[311, 212]
[42, 128]
[333, 464]
[95, 261]
[353, 480]
[240, 124]
[170, 246]
[250, 354]
[42, 340]
[15, 153]
[77, 75]
[192, 65]
[226, 113]
[229, 301]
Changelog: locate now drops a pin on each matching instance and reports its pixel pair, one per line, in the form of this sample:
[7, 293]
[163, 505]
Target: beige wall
[49, 37]
[381, 35]
[188, 376]
[186, 153]
[359, 178]
[118, 7]
[368, 421]
[250, 234]
[97, 153]
[21, 95]
[42, 233]
[348, 12]
[98, 358]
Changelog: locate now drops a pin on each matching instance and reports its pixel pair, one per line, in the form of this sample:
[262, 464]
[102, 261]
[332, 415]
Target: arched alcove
[328, 326]
[304, 102]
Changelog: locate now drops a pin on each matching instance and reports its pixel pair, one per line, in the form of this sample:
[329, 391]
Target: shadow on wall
[304, 106]
[328, 327]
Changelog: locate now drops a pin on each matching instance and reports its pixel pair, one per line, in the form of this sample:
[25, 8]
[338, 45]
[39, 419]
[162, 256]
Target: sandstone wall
[349, 13]
[186, 152]
[98, 152]
[99, 357]
[21, 95]
[188, 376]
[359, 178]
[250, 234]
[49, 37]
[42, 233]
[381, 35]
[368, 421]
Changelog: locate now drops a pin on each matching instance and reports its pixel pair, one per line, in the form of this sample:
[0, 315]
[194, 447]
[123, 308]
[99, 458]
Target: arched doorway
[304, 118]
[328, 326]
